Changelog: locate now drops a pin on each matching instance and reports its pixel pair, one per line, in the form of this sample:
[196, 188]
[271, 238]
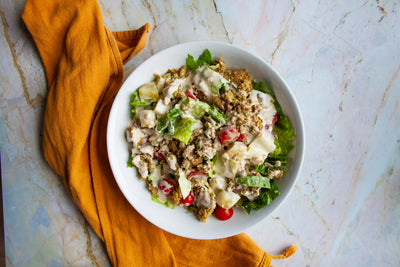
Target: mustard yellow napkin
[84, 68]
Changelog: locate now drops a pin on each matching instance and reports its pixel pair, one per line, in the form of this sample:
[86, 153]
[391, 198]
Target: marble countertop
[342, 62]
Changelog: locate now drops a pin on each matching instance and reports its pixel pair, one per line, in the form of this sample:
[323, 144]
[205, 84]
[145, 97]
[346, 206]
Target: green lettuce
[166, 125]
[162, 126]
[129, 163]
[174, 115]
[167, 203]
[283, 142]
[256, 181]
[184, 184]
[270, 163]
[216, 114]
[135, 101]
[267, 195]
[263, 87]
[262, 169]
[204, 59]
[283, 129]
[213, 162]
[183, 129]
[195, 107]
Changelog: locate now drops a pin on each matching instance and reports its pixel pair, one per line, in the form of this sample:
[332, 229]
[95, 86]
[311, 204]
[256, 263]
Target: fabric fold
[131, 42]
[84, 61]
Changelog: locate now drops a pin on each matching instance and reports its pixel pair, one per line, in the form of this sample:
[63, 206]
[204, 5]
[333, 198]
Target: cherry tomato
[197, 175]
[223, 214]
[188, 200]
[166, 186]
[274, 120]
[228, 134]
[189, 94]
[242, 137]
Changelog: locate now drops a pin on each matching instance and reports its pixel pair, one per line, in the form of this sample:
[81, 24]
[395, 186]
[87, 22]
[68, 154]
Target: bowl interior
[177, 221]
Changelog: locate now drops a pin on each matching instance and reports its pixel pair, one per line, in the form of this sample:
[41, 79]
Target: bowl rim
[299, 130]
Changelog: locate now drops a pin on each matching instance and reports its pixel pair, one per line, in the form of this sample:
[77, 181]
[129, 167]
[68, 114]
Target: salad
[208, 138]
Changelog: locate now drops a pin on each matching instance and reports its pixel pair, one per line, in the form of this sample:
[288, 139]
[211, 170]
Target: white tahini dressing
[267, 114]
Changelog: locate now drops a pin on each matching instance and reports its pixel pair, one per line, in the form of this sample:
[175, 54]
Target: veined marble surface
[341, 60]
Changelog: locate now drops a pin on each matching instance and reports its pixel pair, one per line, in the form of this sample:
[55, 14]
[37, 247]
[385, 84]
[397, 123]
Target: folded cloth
[84, 68]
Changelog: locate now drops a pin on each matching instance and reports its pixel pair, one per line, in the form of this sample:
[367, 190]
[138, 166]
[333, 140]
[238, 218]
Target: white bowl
[178, 221]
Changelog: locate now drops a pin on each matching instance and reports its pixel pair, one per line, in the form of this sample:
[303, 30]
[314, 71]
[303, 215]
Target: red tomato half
[188, 200]
[274, 120]
[228, 134]
[166, 186]
[189, 94]
[242, 137]
[223, 214]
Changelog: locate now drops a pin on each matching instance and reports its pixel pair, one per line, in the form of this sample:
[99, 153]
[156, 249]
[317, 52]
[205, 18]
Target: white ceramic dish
[178, 221]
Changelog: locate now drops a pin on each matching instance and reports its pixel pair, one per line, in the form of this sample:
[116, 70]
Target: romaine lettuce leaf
[254, 181]
[183, 129]
[216, 114]
[270, 163]
[204, 59]
[263, 87]
[166, 125]
[167, 203]
[174, 115]
[180, 128]
[135, 101]
[262, 169]
[195, 107]
[283, 129]
[184, 184]
[213, 162]
[265, 198]
[285, 135]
